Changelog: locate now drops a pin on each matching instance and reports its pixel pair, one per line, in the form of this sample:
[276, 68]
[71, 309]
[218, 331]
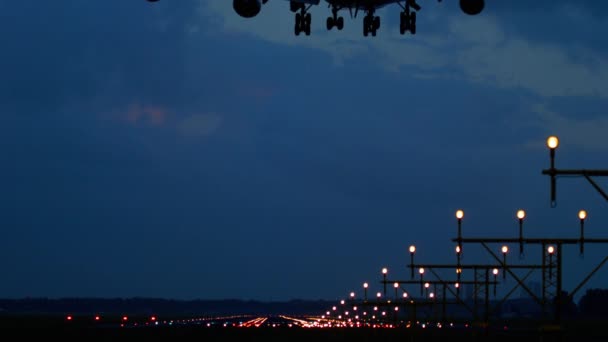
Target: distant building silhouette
[534, 286]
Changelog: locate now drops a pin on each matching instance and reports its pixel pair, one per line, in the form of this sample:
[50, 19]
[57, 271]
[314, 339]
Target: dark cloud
[596, 8]
[59, 54]
[560, 23]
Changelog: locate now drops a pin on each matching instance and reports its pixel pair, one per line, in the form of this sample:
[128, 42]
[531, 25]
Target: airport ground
[53, 329]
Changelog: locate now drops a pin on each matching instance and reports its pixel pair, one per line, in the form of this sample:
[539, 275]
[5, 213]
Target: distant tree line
[146, 306]
[593, 304]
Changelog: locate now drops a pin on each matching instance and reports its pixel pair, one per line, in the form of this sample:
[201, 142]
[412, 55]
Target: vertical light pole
[521, 214]
[551, 250]
[495, 273]
[459, 216]
[504, 250]
[384, 272]
[421, 271]
[365, 285]
[426, 287]
[582, 215]
[458, 251]
[396, 285]
[412, 251]
[552, 144]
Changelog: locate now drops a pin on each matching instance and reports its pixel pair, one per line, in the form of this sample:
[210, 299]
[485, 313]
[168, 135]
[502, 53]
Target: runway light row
[520, 214]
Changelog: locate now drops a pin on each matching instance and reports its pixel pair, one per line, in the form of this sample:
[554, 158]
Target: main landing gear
[334, 20]
[407, 20]
[303, 18]
[371, 23]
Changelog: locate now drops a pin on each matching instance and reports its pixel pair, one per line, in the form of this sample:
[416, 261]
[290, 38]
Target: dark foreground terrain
[285, 335]
[55, 329]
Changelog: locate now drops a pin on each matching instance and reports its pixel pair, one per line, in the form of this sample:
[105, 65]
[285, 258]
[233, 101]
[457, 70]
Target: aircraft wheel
[330, 23]
[298, 25]
[340, 23]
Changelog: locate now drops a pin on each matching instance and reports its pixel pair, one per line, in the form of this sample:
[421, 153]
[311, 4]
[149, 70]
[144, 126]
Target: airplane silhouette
[371, 22]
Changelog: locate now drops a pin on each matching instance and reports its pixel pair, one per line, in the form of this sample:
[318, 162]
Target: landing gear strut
[407, 20]
[303, 19]
[334, 20]
[371, 23]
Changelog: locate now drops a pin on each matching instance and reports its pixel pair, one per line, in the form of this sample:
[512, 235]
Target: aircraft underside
[371, 21]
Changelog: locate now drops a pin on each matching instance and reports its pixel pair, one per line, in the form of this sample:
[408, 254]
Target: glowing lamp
[552, 142]
[582, 215]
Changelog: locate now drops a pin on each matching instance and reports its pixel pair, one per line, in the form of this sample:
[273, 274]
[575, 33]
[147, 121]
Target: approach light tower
[553, 144]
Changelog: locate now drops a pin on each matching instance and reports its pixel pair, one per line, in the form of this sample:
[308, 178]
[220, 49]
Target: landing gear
[303, 20]
[407, 20]
[407, 23]
[334, 20]
[371, 23]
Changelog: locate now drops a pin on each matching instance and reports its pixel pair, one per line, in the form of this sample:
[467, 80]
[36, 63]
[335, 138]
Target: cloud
[577, 132]
[199, 125]
[137, 114]
[480, 49]
[153, 115]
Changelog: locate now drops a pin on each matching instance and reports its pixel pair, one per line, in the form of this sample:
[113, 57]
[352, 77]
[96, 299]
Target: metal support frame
[553, 173]
[551, 265]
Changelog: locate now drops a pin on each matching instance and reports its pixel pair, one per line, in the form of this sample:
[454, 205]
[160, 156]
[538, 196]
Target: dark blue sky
[177, 150]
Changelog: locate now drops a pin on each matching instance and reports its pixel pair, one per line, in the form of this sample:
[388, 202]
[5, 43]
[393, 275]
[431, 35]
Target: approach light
[582, 215]
[552, 142]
